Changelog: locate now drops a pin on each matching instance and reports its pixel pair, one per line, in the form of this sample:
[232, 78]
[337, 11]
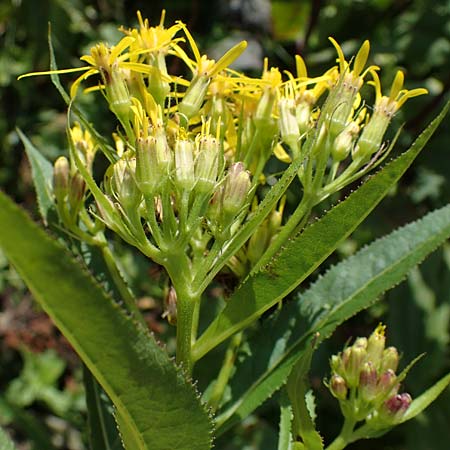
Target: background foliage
[405, 34]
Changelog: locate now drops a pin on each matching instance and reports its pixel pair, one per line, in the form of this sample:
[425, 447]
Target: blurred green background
[41, 398]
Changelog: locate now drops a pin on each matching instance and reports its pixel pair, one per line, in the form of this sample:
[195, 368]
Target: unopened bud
[258, 243]
[375, 345]
[368, 382]
[353, 362]
[303, 116]
[118, 96]
[123, 183]
[184, 164]
[387, 383]
[395, 407]
[170, 306]
[263, 113]
[76, 192]
[207, 164]
[389, 360]
[344, 142]
[338, 387]
[61, 178]
[148, 176]
[236, 189]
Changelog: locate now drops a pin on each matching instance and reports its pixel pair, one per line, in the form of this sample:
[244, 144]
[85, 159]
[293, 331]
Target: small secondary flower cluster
[365, 383]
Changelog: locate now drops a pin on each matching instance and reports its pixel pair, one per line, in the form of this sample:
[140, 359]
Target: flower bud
[354, 358]
[263, 113]
[375, 345]
[184, 164]
[344, 142]
[148, 176]
[303, 116]
[158, 86]
[76, 192]
[236, 189]
[123, 183]
[118, 96]
[389, 359]
[61, 178]
[207, 164]
[360, 342]
[170, 306]
[372, 136]
[258, 243]
[338, 387]
[368, 382]
[387, 383]
[395, 407]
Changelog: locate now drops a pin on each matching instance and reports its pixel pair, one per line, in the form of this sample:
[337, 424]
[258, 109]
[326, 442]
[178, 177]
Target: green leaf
[151, 395]
[5, 442]
[302, 255]
[102, 429]
[344, 290]
[42, 171]
[424, 400]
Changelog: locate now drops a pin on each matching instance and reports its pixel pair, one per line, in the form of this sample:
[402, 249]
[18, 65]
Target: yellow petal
[301, 67]
[397, 85]
[341, 58]
[281, 154]
[229, 57]
[361, 58]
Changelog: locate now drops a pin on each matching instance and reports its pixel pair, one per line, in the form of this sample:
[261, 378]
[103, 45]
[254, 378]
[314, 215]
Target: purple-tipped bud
[338, 387]
[387, 382]
[395, 407]
[375, 345]
[368, 380]
[389, 359]
[184, 164]
[236, 189]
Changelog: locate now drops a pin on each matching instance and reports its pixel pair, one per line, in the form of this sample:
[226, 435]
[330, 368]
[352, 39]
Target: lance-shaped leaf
[344, 290]
[302, 255]
[154, 402]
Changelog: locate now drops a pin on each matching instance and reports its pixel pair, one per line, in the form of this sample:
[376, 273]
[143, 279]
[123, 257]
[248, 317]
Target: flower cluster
[190, 154]
[364, 381]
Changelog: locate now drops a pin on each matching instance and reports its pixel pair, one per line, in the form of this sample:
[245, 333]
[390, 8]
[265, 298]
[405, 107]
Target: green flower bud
[148, 175]
[344, 142]
[236, 189]
[258, 243]
[207, 164]
[303, 116]
[158, 85]
[184, 164]
[123, 184]
[77, 190]
[61, 171]
[353, 358]
[371, 136]
[163, 152]
[338, 387]
[375, 345]
[194, 96]
[389, 359]
[118, 96]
